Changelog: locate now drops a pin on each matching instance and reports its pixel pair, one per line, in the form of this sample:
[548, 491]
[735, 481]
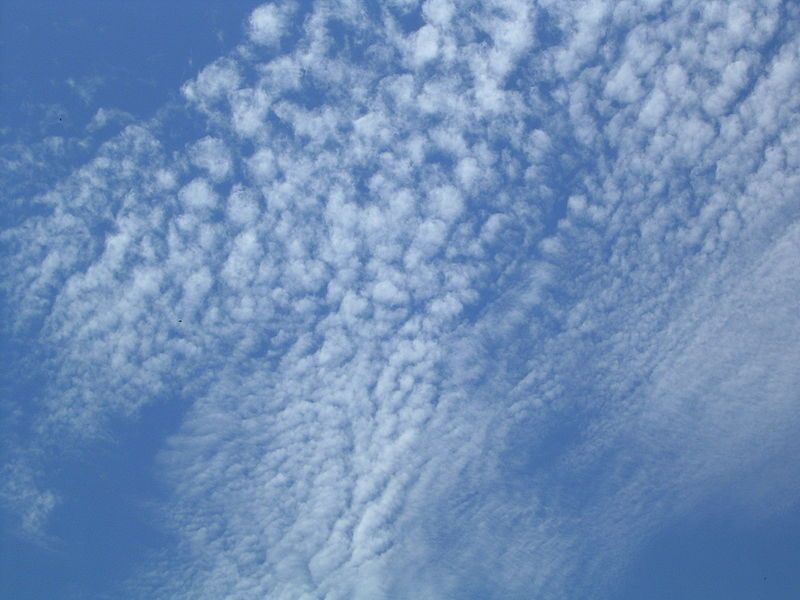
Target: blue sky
[400, 300]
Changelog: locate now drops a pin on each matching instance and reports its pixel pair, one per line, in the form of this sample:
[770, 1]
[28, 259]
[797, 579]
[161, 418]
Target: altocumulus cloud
[409, 242]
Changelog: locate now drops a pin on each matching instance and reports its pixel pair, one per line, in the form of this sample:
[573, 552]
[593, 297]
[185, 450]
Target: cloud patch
[409, 249]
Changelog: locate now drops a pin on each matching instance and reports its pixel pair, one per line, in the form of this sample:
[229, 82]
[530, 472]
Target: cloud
[267, 23]
[213, 84]
[212, 155]
[404, 263]
[198, 194]
[104, 116]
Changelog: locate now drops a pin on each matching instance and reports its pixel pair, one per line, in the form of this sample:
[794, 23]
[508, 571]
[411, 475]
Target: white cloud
[447, 203]
[215, 81]
[267, 24]
[438, 12]
[104, 116]
[262, 165]
[243, 206]
[250, 108]
[412, 277]
[198, 194]
[212, 155]
[386, 292]
[424, 45]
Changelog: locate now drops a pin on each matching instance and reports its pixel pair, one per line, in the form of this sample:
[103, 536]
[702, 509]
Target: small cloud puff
[268, 23]
[104, 116]
[212, 155]
[198, 194]
[214, 82]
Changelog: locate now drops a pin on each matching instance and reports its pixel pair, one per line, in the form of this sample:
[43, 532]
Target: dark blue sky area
[60, 63]
[67, 59]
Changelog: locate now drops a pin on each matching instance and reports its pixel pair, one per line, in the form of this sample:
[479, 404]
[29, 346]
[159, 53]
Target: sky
[394, 300]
